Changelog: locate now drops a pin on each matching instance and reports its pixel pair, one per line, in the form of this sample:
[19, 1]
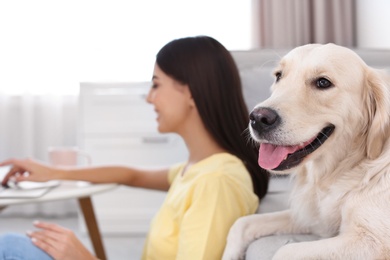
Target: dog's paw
[233, 251]
[233, 254]
[236, 242]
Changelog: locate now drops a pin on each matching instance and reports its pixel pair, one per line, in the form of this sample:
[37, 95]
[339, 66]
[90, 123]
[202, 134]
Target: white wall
[373, 20]
[48, 47]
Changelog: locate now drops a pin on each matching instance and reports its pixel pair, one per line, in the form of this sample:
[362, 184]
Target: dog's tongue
[271, 156]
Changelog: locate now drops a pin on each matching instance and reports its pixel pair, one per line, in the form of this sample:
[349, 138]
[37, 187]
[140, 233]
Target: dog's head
[324, 98]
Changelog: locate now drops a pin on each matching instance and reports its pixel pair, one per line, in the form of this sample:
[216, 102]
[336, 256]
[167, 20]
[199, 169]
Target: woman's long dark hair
[209, 70]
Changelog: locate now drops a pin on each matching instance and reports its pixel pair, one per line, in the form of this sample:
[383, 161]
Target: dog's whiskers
[249, 139]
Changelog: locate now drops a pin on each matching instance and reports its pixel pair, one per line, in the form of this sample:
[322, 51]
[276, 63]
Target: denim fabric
[20, 247]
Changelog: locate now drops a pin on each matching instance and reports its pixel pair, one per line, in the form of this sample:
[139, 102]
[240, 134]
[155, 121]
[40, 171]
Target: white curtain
[29, 125]
[290, 23]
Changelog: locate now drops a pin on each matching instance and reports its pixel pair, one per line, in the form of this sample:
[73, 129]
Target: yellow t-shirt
[200, 208]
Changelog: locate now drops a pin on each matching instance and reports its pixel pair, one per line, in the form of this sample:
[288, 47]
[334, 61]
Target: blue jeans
[20, 247]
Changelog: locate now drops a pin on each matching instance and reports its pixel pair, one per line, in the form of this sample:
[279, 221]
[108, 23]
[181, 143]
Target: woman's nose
[149, 97]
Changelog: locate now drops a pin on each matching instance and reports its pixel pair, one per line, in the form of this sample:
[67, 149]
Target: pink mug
[67, 156]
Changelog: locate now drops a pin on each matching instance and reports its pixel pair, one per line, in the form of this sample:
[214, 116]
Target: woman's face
[172, 102]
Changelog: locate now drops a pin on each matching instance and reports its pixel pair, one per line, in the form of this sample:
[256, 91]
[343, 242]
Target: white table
[74, 190]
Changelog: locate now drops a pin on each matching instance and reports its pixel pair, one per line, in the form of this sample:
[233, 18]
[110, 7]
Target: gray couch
[256, 68]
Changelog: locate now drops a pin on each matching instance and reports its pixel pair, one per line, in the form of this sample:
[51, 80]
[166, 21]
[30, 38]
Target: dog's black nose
[264, 119]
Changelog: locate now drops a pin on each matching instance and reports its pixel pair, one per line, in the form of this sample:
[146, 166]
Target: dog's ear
[378, 103]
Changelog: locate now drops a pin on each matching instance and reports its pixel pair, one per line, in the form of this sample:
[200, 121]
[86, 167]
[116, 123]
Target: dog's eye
[278, 75]
[323, 83]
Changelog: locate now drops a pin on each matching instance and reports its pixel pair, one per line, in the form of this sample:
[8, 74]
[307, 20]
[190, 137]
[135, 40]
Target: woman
[196, 93]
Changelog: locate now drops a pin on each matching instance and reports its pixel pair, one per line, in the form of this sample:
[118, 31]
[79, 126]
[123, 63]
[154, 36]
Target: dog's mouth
[279, 158]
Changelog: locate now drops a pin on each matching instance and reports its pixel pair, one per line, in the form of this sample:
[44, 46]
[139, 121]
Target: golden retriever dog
[327, 122]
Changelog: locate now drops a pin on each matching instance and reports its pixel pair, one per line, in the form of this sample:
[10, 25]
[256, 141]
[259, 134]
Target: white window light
[48, 47]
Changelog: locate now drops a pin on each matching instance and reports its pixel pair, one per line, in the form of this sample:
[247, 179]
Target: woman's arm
[31, 170]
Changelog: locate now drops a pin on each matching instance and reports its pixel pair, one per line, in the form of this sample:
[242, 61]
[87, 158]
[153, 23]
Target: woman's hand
[27, 170]
[59, 242]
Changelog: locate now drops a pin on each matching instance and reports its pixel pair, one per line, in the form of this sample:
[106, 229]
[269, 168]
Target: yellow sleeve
[215, 203]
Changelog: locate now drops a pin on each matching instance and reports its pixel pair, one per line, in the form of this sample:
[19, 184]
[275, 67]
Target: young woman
[196, 93]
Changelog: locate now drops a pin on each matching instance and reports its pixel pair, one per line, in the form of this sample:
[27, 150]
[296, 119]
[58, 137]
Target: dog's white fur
[342, 190]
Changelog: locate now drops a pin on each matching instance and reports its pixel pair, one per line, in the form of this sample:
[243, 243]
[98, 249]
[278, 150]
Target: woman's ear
[189, 95]
[378, 105]
[192, 103]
